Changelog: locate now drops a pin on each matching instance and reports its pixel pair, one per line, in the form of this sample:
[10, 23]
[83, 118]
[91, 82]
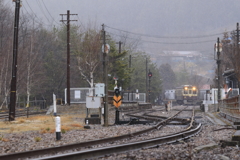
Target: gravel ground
[18, 142]
[188, 149]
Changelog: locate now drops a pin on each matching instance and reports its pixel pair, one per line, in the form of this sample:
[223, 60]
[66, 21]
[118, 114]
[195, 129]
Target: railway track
[130, 146]
[191, 130]
[145, 143]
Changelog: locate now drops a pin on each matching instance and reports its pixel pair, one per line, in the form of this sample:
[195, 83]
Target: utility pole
[68, 52]
[120, 45]
[130, 79]
[149, 86]
[105, 70]
[116, 69]
[237, 38]
[218, 65]
[14, 63]
[237, 43]
[146, 79]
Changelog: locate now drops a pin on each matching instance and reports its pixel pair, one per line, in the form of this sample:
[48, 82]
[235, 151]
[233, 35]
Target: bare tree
[6, 28]
[87, 55]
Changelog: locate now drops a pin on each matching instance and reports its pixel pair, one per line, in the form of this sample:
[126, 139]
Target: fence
[132, 97]
[78, 95]
[40, 104]
[230, 106]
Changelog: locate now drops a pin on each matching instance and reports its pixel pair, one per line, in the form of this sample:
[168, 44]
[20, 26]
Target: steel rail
[46, 151]
[93, 153]
[153, 117]
[192, 120]
[182, 120]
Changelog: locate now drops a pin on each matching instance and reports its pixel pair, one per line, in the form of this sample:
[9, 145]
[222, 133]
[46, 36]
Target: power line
[167, 42]
[49, 12]
[39, 4]
[39, 22]
[180, 37]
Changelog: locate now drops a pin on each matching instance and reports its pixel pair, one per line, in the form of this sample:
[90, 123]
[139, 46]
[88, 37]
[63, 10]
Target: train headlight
[185, 88]
[194, 88]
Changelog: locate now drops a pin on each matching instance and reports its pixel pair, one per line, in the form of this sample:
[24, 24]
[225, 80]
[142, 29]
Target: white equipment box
[93, 102]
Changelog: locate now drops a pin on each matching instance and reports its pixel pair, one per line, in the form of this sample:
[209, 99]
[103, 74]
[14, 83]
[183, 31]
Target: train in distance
[185, 94]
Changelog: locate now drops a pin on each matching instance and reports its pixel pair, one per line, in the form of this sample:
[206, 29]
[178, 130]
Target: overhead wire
[49, 13]
[79, 20]
[7, 2]
[39, 22]
[40, 6]
[179, 37]
[166, 42]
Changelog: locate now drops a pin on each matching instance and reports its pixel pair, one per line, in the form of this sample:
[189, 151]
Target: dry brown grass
[43, 131]
[52, 131]
[21, 120]
[5, 140]
[76, 125]
[11, 130]
[41, 123]
[66, 128]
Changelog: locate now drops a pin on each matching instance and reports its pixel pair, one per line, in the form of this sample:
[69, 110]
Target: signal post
[117, 101]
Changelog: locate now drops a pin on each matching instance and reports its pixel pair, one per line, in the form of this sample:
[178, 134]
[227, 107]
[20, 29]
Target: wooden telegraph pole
[14, 63]
[105, 51]
[218, 66]
[68, 52]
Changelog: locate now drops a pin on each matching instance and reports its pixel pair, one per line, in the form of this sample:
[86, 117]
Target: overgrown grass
[21, 120]
[42, 123]
[11, 130]
[76, 125]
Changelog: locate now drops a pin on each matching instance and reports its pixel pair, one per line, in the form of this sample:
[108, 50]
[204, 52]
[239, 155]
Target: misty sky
[171, 22]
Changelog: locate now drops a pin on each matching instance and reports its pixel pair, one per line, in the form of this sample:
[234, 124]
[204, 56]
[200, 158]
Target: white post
[54, 105]
[65, 93]
[58, 127]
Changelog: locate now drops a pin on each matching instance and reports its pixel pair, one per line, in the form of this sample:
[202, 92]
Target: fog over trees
[146, 30]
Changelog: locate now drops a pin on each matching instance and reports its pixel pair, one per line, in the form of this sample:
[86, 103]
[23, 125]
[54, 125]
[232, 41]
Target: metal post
[149, 91]
[14, 64]
[218, 65]
[237, 37]
[105, 79]
[120, 48]
[68, 57]
[130, 65]
[117, 116]
[146, 79]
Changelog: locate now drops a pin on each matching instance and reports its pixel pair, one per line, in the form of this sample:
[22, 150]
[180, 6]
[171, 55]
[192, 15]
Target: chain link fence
[78, 95]
[134, 97]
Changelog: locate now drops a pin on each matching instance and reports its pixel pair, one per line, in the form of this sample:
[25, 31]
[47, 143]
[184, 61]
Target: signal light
[149, 74]
[117, 92]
